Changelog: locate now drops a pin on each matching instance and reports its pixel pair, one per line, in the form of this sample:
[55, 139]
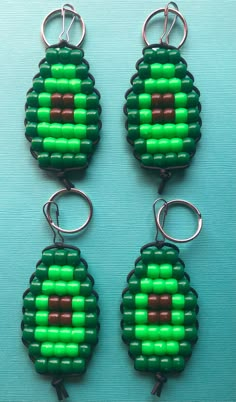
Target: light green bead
[44, 99]
[61, 145]
[78, 335]
[80, 101]
[181, 99]
[156, 70]
[73, 288]
[146, 285]
[181, 130]
[172, 348]
[48, 287]
[152, 146]
[145, 131]
[53, 334]
[174, 85]
[42, 318]
[153, 332]
[141, 332]
[160, 348]
[63, 85]
[75, 85]
[69, 71]
[145, 116]
[158, 131]
[145, 101]
[177, 317]
[166, 332]
[67, 130]
[162, 85]
[43, 114]
[141, 316]
[73, 145]
[178, 333]
[147, 348]
[80, 131]
[159, 286]
[169, 130]
[47, 349]
[78, 303]
[165, 271]
[181, 115]
[141, 300]
[150, 85]
[176, 145]
[56, 130]
[60, 288]
[72, 350]
[49, 144]
[168, 70]
[54, 272]
[164, 145]
[59, 349]
[43, 129]
[178, 301]
[153, 271]
[65, 335]
[78, 319]
[67, 273]
[171, 285]
[40, 334]
[41, 302]
[57, 70]
[50, 85]
[80, 116]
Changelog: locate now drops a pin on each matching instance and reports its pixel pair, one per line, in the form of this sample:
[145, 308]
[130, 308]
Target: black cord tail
[57, 383]
[161, 379]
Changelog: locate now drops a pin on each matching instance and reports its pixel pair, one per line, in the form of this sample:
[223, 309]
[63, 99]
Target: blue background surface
[122, 194]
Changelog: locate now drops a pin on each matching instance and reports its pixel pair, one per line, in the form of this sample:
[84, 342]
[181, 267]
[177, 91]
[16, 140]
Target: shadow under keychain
[159, 307]
[162, 106]
[60, 311]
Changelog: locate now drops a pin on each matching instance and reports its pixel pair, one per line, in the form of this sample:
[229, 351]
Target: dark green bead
[159, 160]
[133, 132]
[85, 351]
[80, 160]
[29, 301]
[149, 55]
[78, 366]
[193, 115]
[82, 71]
[60, 257]
[187, 85]
[144, 70]
[171, 159]
[45, 70]
[161, 56]
[133, 117]
[190, 301]
[42, 271]
[191, 333]
[171, 255]
[54, 365]
[76, 56]
[193, 99]
[56, 160]
[153, 364]
[44, 159]
[90, 303]
[48, 257]
[180, 70]
[166, 364]
[129, 333]
[140, 146]
[189, 145]
[36, 286]
[183, 158]
[91, 336]
[147, 255]
[92, 117]
[134, 285]
[66, 366]
[38, 84]
[37, 144]
[31, 129]
[138, 86]
[87, 86]
[174, 56]
[28, 334]
[183, 286]
[41, 365]
[140, 269]
[194, 130]
[64, 55]
[190, 317]
[92, 101]
[29, 318]
[52, 55]
[85, 288]
[91, 320]
[178, 363]
[73, 257]
[141, 363]
[86, 146]
[129, 317]
[185, 348]
[34, 349]
[128, 300]
[68, 160]
[135, 348]
[32, 114]
[80, 273]
[178, 270]
[147, 160]
[93, 132]
[32, 99]
[132, 101]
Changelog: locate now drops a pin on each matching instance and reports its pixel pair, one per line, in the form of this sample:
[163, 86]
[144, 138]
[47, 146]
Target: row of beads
[64, 56]
[61, 256]
[57, 334]
[45, 318]
[147, 116]
[160, 302]
[161, 55]
[161, 85]
[59, 349]
[61, 272]
[158, 70]
[56, 303]
[176, 317]
[61, 288]
[60, 366]
[160, 348]
[58, 130]
[162, 332]
[80, 101]
[158, 286]
[154, 271]
[61, 145]
[165, 161]
[164, 145]
[63, 85]
[159, 131]
[59, 161]
[56, 115]
[59, 70]
[148, 101]
[163, 364]
[159, 255]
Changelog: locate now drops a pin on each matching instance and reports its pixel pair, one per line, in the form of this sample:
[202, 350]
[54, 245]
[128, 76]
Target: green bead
[80, 116]
[31, 129]
[193, 99]
[147, 160]
[60, 145]
[34, 349]
[78, 366]
[29, 318]
[92, 117]
[45, 70]
[85, 351]
[141, 363]
[181, 130]
[92, 101]
[135, 348]
[153, 332]
[171, 285]
[73, 145]
[80, 101]
[87, 86]
[129, 317]
[48, 287]
[165, 271]
[183, 285]
[132, 101]
[172, 348]
[138, 86]
[153, 271]
[147, 255]
[189, 145]
[134, 284]
[171, 255]
[159, 286]
[57, 70]
[141, 316]
[128, 333]
[41, 302]
[144, 70]
[166, 364]
[48, 257]
[73, 288]
[54, 366]
[181, 115]
[53, 334]
[186, 85]
[86, 146]
[44, 99]
[178, 270]
[190, 317]
[178, 363]
[56, 160]
[153, 364]
[72, 350]
[67, 273]
[85, 288]
[37, 144]
[82, 71]
[78, 319]
[52, 55]
[76, 56]
[79, 131]
[73, 257]
[166, 332]
[91, 336]
[152, 145]
[41, 318]
[171, 159]
[173, 56]
[158, 256]
[49, 144]
[165, 145]
[32, 99]
[149, 55]
[43, 129]
[141, 300]
[59, 349]
[183, 158]
[141, 332]
[29, 301]
[50, 85]
[133, 117]
[28, 334]
[168, 130]
[194, 130]
[140, 269]
[157, 70]
[181, 99]
[146, 285]
[41, 365]
[193, 115]
[144, 101]
[161, 56]
[145, 116]
[128, 300]
[38, 84]
[65, 335]
[91, 320]
[180, 70]
[159, 160]
[32, 114]
[78, 335]
[162, 85]
[40, 334]
[64, 85]
[160, 348]
[64, 55]
[54, 272]
[191, 333]
[185, 348]
[147, 348]
[44, 159]
[70, 71]
[80, 160]
[178, 301]
[43, 114]
[140, 146]
[178, 333]
[168, 70]
[93, 132]
[150, 85]
[47, 349]
[80, 273]
[190, 301]
[36, 286]
[177, 317]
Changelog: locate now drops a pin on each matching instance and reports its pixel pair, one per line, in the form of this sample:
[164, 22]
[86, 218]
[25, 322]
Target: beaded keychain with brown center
[162, 106]
[60, 311]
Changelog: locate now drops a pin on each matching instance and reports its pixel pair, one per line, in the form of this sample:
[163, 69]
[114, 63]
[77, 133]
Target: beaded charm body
[60, 322]
[159, 313]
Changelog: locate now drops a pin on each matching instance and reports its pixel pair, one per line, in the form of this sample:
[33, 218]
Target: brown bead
[156, 100]
[66, 319]
[157, 115]
[55, 115]
[54, 319]
[66, 303]
[54, 303]
[153, 317]
[169, 115]
[68, 100]
[165, 317]
[153, 301]
[68, 116]
[56, 100]
[165, 301]
[168, 100]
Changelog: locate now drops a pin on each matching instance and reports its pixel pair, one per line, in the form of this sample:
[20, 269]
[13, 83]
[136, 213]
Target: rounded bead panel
[163, 110]
[159, 311]
[63, 111]
[60, 313]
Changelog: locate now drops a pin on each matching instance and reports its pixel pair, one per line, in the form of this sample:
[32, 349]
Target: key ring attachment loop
[66, 9]
[163, 211]
[55, 196]
[166, 10]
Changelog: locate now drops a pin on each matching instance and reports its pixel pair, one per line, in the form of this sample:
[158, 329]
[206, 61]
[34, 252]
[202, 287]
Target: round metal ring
[57, 12]
[188, 205]
[162, 10]
[65, 191]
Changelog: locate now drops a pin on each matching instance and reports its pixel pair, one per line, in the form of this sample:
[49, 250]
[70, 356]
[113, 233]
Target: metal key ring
[163, 10]
[65, 191]
[166, 205]
[66, 8]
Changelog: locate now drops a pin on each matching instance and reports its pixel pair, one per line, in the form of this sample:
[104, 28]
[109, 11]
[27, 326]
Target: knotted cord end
[57, 383]
[161, 379]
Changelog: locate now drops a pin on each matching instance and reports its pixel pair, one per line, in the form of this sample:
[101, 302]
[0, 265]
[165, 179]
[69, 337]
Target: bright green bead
[162, 85]
[50, 85]
[80, 101]
[152, 145]
[178, 333]
[181, 100]
[181, 115]
[185, 348]
[160, 348]
[41, 318]
[73, 288]
[69, 71]
[141, 316]
[165, 271]
[61, 145]
[44, 114]
[48, 287]
[41, 302]
[67, 130]
[52, 55]
[141, 332]
[144, 101]
[153, 332]
[169, 130]
[57, 70]
[41, 365]
[145, 116]
[177, 317]
[166, 364]
[144, 70]
[72, 350]
[150, 85]
[54, 272]
[146, 285]
[78, 366]
[33, 99]
[40, 334]
[78, 335]
[157, 70]
[135, 348]
[174, 85]
[78, 319]
[44, 99]
[171, 285]
[189, 145]
[82, 71]
[141, 363]
[54, 365]
[73, 145]
[64, 55]
[168, 70]
[166, 332]
[147, 348]
[29, 301]
[65, 335]
[157, 131]
[141, 300]
[59, 349]
[47, 349]
[79, 131]
[80, 116]
[147, 160]
[164, 145]
[178, 363]
[66, 273]
[153, 271]
[55, 130]
[63, 85]
[145, 131]
[159, 286]
[60, 288]
[181, 130]
[49, 144]
[178, 301]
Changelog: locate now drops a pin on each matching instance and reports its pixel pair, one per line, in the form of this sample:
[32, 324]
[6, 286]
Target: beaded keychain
[162, 107]
[159, 308]
[60, 312]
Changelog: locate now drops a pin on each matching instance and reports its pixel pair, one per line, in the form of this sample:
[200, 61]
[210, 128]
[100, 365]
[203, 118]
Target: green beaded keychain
[162, 106]
[60, 309]
[159, 307]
